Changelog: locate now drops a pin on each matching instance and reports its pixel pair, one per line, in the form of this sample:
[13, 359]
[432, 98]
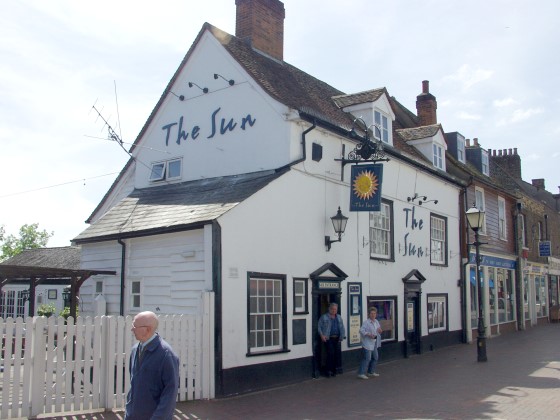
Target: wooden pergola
[32, 276]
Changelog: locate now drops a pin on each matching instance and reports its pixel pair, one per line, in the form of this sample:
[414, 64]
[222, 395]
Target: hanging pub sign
[365, 187]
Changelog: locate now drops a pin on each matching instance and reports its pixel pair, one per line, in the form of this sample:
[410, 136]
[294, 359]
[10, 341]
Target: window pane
[174, 168]
[157, 171]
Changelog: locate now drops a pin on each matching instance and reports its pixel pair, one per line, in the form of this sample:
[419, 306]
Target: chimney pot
[515, 150]
[426, 105]
[475, 140]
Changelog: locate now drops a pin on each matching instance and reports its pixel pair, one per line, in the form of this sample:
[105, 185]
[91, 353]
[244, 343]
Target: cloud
[519, 115]
[466, 116]
[500, 103]
[469, 77]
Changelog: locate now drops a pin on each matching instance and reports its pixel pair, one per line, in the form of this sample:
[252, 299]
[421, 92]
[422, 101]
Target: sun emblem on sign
[365, 185]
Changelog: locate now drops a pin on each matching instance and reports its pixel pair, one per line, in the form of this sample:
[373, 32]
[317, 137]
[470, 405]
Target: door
[412, 325]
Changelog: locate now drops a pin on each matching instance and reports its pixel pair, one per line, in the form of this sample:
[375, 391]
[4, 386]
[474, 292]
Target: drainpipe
[303, 144]
[123, 260]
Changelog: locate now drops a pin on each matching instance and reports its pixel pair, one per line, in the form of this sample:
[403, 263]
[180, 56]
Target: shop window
[540, 296]
[437, 313]
[492, 295]
[438, 240]
[381, 232]
[386, 315]
[509, 296]
[526, 296]
[267, 309]
[300, 296]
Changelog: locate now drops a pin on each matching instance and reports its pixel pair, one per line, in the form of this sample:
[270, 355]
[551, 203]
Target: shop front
[499, 301]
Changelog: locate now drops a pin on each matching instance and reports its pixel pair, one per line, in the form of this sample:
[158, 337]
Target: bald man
[154, 373]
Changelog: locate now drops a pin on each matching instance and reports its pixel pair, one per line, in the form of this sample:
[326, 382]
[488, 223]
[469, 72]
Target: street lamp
[339, 223]
[475, 218]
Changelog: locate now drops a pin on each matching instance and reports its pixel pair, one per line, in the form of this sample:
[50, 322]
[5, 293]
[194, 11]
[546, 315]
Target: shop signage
[493, 261]
[365, 191]
[217, 125]
[544, 249]
[328, 285]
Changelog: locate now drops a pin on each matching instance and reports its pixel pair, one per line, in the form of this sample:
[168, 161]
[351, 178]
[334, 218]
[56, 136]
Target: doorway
[413, 312]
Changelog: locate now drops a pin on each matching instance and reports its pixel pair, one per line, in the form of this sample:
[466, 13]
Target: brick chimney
[538, 183]
[426, 105]
[508, 160]
[261, 23]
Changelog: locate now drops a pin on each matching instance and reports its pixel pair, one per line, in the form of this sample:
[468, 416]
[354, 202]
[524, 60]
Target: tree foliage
[29, 237]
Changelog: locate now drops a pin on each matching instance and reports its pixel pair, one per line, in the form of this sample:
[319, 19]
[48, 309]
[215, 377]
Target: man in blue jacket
[154, 373]
[332, 333]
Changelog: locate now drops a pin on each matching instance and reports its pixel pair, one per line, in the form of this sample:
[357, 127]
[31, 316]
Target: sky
[492, 65]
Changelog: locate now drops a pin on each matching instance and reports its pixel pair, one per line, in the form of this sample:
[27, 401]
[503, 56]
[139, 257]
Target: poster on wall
[365, 191]
[354, 314]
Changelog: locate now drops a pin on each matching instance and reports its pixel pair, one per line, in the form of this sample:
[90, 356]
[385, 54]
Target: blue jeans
[369, 361]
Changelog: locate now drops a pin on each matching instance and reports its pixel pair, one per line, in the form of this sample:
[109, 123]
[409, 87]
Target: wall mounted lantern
[475, 219]
[339, 223]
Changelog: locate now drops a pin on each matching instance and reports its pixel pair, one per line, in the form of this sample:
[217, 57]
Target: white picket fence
[51, 366]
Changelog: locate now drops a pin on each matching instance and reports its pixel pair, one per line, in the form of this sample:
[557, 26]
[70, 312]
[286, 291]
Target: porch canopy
[56, 266]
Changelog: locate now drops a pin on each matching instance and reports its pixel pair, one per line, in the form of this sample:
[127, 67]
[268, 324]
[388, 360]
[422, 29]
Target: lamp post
[475, 219]
[339, 223]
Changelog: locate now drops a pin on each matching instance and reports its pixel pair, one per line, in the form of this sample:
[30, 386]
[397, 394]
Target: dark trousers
[333, 355]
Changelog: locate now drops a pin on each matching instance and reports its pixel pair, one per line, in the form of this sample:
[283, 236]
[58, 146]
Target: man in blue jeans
[370, 332]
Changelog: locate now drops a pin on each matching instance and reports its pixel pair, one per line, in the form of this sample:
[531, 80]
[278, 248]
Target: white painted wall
[213, 153]
[172, 269]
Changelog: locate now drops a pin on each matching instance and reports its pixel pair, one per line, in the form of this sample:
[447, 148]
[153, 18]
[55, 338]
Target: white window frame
[461, 149]
[266, 313]
[437, 313]
[135, 295]
[438, 240]
[381, 121]
[160, 171]
[381, 232]
[437, 156]
[300, 296]
[485, 166]
[480, 203]
[523, 233]
[502, 221]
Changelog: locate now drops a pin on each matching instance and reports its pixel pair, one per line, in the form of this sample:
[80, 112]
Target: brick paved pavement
[521, 380]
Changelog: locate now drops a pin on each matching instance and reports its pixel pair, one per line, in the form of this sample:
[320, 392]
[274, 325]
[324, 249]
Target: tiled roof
[417, 133]
[293, 88]
[358, 98]
[173, 207]
[67, 257]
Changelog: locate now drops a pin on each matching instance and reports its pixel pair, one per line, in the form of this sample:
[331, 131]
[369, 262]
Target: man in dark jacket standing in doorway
[332, 332]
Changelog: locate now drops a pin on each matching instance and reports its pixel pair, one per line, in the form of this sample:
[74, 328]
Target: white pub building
[231, 188]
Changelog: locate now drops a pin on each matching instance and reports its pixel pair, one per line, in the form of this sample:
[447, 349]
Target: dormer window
[484, 163]
[461, 149]
[382, 123]
[438, 156]
[166, 170]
